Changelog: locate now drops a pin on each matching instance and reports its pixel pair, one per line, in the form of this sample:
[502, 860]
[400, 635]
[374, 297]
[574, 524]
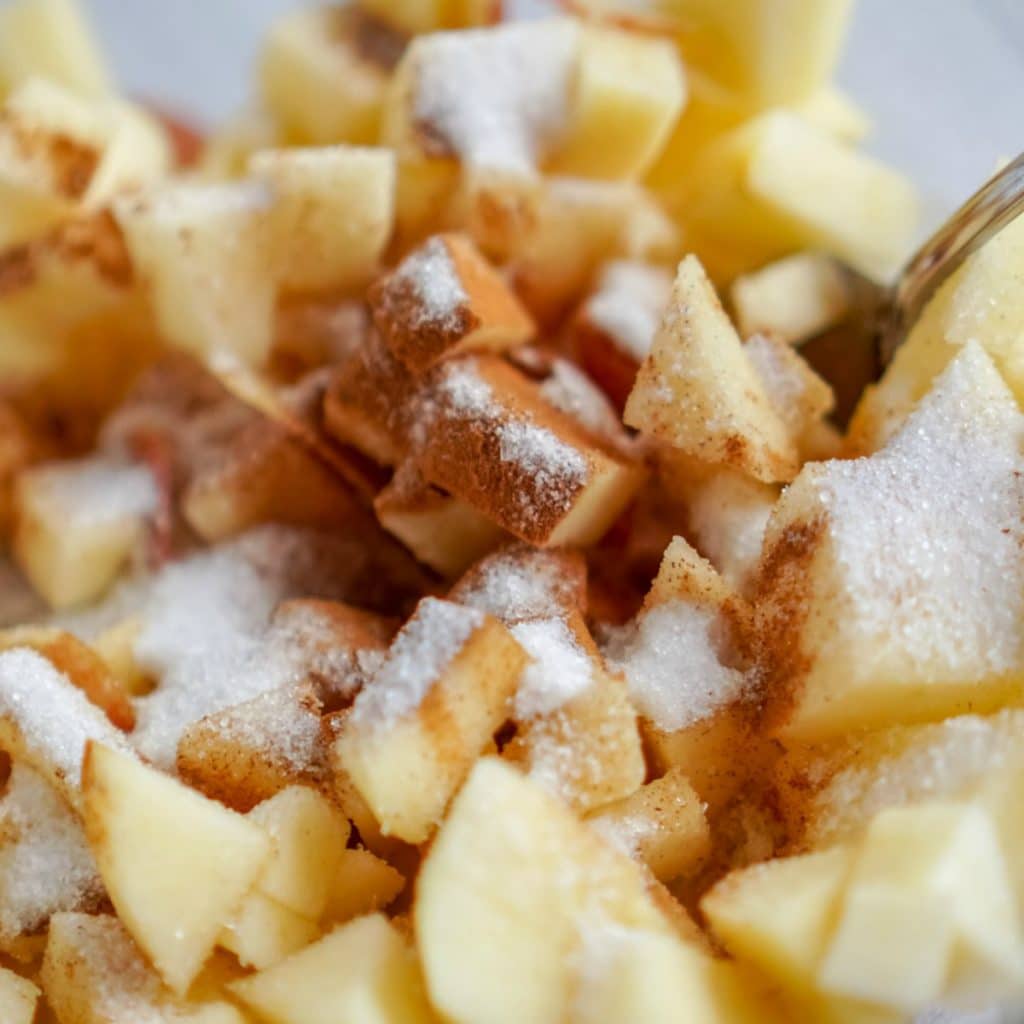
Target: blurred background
[942, 79]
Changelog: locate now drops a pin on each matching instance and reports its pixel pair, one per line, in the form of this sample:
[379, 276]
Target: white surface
[943, 79]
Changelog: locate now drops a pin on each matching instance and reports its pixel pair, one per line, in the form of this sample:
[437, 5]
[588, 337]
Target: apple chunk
[890, 587]
[18, 998]
[449, 665]
[176, 865]
[513, 864]
[698, 392]
[363, 972]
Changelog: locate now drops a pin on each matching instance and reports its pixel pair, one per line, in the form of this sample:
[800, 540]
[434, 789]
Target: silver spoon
[985, 214]
[854, 353]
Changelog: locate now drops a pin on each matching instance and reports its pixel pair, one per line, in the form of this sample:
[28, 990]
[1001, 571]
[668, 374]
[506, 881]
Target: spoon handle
[986, 213]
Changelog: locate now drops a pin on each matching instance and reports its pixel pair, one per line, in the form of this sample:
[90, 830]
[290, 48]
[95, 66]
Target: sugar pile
[94, 491]
[417, 658]
[629, 302]
[47, 865]
[558, 671]
[673, 671]
[52, 717]
[519, 583]
[498, 97]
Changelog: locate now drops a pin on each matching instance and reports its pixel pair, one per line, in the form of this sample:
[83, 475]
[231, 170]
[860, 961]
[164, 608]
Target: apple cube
[334, 207]
[934, 880]
[265, 476]
[577, 735]
[440, 530]
[980, 302]
[851, 644]
[251, 751]
[698, 392]
[798, 395]
[309, 836]
[833, 111]
[265, 932]
[444, 298]
[491, 439]
[448, 664]
[18, 998]
[778, 916]
[780, 184]
[50, 39]
[323, 74]
[793, 298]
[364, 883]
[362, 972]
[93, 973]
[627, 93]
[143, 826]
[504, 834]
[661, 824]
[182, 237]
[78, 523]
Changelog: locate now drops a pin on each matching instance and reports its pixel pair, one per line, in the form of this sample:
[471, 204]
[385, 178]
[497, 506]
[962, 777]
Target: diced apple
[627, 93]
[632, 975]
[698, 392]
[934, 881]
[777, 185]
[323, 74]
[177, 866]
[182, 237]
[854, 645]
[448, 664]
[334, 207]
[793, 298]
[492, 440]
[980, 302]
[116, 646]
[662, 824]
[93, 973]
[778, 916]
[505, 835]
[265, 932]
[309, 836]
[836, 113]
[444, 298]
[18, 998]
[50, 39]
[249, 752]
[362, 972]
[77, 523]
[364, 883]
[265, 476]
[439, 529]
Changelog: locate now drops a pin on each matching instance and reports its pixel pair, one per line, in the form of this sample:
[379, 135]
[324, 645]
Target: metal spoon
[985, 214]
[854, 353]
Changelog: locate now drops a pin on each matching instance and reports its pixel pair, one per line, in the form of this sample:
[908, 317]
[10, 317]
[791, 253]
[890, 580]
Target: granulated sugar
[93, 491]
[628, 304]
[417, 658]
[558, 671]
[571, 391]
[519, 583]
[45, 863]
[497, 97]
[673, 671]
[926, 537]
[435, 293]
[52, 717]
